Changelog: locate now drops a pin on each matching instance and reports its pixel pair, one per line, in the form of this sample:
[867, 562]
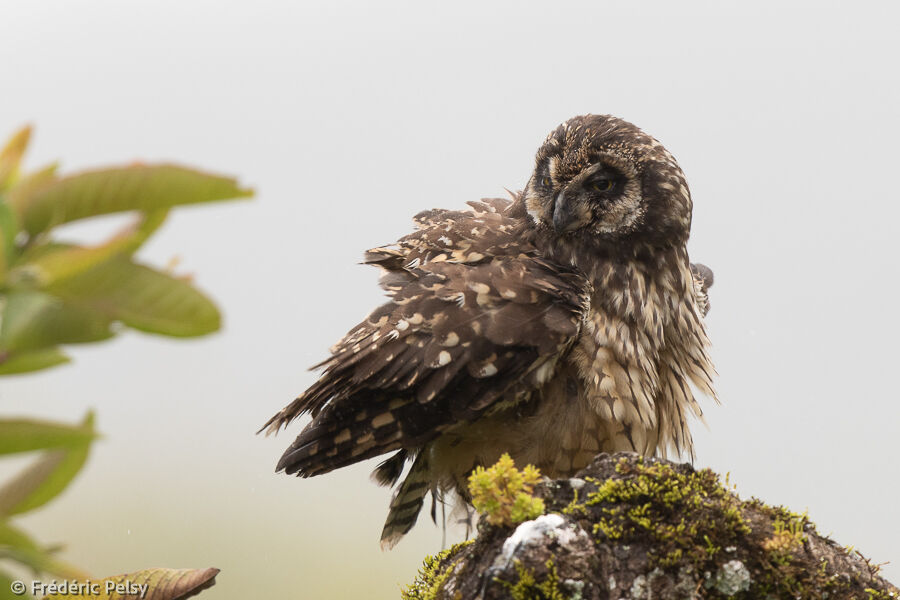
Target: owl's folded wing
[456, 340]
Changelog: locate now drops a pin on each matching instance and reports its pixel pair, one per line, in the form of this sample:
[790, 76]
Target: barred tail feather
[332, 441]
[407, 503]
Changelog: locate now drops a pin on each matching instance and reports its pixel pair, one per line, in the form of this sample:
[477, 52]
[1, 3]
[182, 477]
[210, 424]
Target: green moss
[880, 595]
[788, 537]
[527, 587]
[690, 519]
[674, 509]
[711, 549]
[574, 507]
[433, 574]
[503, 493]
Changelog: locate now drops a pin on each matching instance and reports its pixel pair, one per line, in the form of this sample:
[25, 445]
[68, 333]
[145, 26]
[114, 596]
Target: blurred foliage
[503, 493]
[64, 450]
[54, 293]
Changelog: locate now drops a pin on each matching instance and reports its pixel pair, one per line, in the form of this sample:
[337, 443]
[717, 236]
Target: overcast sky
[350, 117]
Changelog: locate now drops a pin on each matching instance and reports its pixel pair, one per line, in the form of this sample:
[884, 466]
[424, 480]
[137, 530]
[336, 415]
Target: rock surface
[628, 527]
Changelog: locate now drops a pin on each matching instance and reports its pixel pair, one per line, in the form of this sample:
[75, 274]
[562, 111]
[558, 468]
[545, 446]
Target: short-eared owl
[553, 326]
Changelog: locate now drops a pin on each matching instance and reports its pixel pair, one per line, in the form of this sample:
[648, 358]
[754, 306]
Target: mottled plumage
[562, 323]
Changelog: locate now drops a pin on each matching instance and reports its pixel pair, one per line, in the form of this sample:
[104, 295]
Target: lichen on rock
[731, 578]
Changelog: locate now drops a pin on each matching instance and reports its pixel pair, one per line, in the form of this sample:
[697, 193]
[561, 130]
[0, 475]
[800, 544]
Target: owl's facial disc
[601, 198]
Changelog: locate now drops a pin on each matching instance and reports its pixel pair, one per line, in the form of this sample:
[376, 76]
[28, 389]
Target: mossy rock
[628, 527]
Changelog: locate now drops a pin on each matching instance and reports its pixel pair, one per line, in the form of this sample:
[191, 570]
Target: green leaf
[19, 194]
[37, 251]
[15, 538]
[138, 187]
[11, 155]
[28, 435]
[8, 229]
[26, 362]
[46, 478]
[53, 264]
[32, 320]
[142, 298]
[17, 546]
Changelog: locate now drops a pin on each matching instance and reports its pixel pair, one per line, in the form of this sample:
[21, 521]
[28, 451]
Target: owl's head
[599, 177]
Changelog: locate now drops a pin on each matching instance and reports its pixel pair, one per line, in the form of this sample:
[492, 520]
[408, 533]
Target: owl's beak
[563, 217]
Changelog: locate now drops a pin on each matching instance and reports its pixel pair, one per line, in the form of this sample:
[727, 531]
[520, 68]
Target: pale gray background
[349, 118]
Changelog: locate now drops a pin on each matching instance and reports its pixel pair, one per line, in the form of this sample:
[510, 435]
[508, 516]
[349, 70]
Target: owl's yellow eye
[545, 181]
[602, 185]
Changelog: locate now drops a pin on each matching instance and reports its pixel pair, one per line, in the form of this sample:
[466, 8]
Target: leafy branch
[54, 293]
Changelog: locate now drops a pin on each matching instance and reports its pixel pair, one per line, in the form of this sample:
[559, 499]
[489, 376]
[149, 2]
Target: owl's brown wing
[462, 333]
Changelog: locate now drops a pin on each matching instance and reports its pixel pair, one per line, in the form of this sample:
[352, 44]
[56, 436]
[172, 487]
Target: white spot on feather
[488, 370]
[382, 420]
[443, 358]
